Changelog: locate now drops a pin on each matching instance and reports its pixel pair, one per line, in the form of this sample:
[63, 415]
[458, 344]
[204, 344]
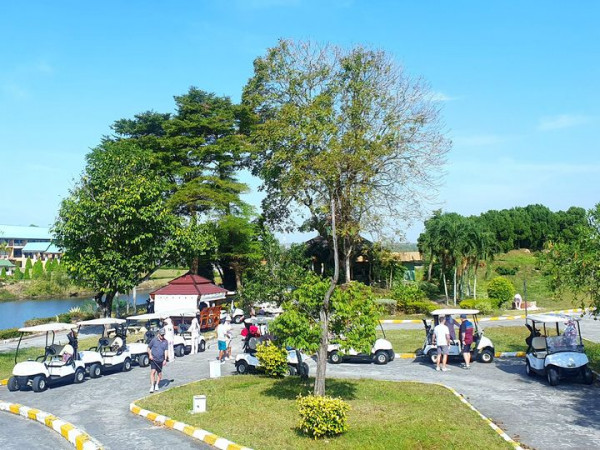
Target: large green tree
[574, 265]
[115, 225]
[346, 135]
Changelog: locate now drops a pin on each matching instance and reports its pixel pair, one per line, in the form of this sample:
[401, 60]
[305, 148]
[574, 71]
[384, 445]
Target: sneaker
[445, 369]
[156, 388]
[437, 368]
[222, 361]
[467, 366]
[151, 389]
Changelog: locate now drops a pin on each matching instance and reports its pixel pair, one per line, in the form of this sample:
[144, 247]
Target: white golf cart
[59, 363]
[150, 323]
[482, 348]
[182, 319]
[236, 314]
[257, 333]
[381, 352]
[112, 352]
[556, 349]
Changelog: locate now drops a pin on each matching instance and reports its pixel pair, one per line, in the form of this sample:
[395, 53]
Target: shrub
[3, 274]
[28, 264]
[27, 275]
[322, 416]
[18, 275]
[38, 270]
[9, 333]
[431, 290]
[468, 304]
[387, 305]
[503, 270]
[273, 360]
[502, 289]
[412, 300]
[484, 306]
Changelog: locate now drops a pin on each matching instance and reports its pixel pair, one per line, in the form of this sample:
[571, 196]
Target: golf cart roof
[262, 320]
[551, 318]
[45, 327]
[453, 312]
[102, 321]
[149, 316]
[183, 312]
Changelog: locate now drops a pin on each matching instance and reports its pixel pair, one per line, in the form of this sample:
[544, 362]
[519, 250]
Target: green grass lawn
[167, 274]
[260, 412]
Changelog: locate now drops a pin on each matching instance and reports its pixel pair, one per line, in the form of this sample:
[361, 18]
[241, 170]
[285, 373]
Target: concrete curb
[196, 433]
[79, 439]
[4, 382]
[494, 427]
[493, 319]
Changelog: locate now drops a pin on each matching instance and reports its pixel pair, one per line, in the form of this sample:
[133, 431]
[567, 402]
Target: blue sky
[518, 82]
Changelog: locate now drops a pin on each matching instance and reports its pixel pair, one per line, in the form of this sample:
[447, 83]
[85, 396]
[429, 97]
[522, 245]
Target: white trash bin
[199, 404]
[214, 369]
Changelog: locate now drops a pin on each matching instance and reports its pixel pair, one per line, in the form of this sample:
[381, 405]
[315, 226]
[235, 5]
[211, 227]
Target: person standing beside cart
[465, 334]
[170, 337]
[441, 338]
[195, 332]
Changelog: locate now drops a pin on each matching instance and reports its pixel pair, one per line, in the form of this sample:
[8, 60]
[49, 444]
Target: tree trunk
[430, 269]
[106, 302]
[454, 283]
[445, 287]
[475, 286]
[324, 313]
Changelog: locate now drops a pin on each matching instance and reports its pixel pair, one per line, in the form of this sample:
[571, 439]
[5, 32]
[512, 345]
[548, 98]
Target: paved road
[101, 406]
[19, 433]
[528, 409]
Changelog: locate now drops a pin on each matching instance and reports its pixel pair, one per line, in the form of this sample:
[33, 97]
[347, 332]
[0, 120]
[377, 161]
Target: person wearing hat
[465, 333]
[158, 353]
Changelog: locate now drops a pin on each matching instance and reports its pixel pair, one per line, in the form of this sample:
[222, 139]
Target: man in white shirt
[170, 337]
[441, 338]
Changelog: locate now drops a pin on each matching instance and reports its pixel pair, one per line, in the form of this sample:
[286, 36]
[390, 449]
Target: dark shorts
[467, 348]
[156, 365]
[443, 349]
[222, 345]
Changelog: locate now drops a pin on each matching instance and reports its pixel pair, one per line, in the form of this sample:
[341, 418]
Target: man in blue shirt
[157, 352]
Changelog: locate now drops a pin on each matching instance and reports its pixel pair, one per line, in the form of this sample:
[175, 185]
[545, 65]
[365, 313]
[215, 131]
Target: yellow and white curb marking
[494, 319]
[80, 439]
[4, 382]
[495, 427]
[196, 433]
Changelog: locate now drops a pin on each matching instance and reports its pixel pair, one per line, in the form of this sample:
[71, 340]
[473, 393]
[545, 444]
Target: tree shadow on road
[290, 387]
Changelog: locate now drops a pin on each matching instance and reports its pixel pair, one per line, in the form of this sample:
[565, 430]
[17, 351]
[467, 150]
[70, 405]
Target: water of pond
[15, 313]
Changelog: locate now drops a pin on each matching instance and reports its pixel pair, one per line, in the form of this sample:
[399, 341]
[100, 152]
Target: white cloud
[563, 121]
[441, 97]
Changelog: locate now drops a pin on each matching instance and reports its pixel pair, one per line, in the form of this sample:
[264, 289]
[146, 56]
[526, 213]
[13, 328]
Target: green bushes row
[322, 416]
[411, 299]
[504, 270]
[9, 333]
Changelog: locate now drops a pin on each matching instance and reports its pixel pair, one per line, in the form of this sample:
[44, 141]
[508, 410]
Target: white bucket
[214, 369]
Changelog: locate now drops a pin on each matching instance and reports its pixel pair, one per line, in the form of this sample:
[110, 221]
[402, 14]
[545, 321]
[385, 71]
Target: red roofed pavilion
[187, 291]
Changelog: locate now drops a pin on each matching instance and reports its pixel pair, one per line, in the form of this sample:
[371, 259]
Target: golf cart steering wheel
[50, 350]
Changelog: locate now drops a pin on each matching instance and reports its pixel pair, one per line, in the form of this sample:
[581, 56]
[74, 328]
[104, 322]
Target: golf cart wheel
[238, 319]
[528, 369]
[13, 384]
[79, 376]
[242, 367]
[553, 376]
[381, 357]
[95, 370]
[127, 365]
[291, 371]
[39, 383]
[143, 360]
[335, 358]
[486, 356]
[588, 375]
[433, 356]
[179, 350]
[201, 346]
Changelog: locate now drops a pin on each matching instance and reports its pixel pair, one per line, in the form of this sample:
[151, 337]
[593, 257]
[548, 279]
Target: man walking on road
[465, 334]
[195, 331]
[441, 338]
[157, 352]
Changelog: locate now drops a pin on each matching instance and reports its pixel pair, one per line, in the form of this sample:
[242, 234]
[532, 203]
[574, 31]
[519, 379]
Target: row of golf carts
[65, 363]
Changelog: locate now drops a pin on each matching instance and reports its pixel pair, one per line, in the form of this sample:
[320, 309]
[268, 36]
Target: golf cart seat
[539, 346]
[63, 358]
[113, 347]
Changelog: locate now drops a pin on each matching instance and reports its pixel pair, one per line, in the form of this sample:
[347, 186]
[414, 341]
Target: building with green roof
[20, 243]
